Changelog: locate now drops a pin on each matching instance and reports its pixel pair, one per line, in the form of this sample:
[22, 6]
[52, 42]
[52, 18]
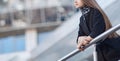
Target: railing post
[95, 53]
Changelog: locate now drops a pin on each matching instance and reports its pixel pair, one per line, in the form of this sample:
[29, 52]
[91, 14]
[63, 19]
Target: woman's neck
[85, 9]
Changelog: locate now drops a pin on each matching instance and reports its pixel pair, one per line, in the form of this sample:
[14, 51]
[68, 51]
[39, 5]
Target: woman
[93, 22]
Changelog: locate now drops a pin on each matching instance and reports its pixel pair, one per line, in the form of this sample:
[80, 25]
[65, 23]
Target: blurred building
[24, 24]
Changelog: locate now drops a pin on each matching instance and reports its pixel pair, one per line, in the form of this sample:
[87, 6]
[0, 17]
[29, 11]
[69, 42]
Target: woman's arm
[80, 33]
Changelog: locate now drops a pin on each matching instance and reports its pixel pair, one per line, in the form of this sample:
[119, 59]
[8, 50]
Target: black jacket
[92, 24]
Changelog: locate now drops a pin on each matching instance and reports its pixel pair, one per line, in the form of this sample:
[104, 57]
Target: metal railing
[97, 39]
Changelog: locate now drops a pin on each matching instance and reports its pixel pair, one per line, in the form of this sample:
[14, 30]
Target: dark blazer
[92, 24]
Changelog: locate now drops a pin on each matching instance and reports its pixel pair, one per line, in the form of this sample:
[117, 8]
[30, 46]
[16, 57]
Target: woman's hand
[88, 38]
[83, 41]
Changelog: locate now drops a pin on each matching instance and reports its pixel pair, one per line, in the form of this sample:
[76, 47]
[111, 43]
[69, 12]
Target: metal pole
[42, 11]
[95, 53]
[11, 11]
[28, 11]
[69, 55]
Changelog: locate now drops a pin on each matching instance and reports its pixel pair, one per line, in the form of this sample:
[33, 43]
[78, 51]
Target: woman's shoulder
[96, 12]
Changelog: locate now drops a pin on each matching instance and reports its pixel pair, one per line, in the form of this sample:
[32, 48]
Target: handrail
[97, 39]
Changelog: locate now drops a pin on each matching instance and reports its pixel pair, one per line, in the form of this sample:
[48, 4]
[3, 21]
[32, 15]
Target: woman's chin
[77, 7]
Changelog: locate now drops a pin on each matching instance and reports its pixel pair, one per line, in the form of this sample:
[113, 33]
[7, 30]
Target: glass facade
[43, 36]
[12, 44]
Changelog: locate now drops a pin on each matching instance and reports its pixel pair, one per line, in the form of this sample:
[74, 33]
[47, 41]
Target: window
[43, 36]
[8, 45]
[12, 44]
[20, 43]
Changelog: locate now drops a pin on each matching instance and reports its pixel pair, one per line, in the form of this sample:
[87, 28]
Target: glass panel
[20, 43]
[1, 46]
[8, 44]
[12, 44]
